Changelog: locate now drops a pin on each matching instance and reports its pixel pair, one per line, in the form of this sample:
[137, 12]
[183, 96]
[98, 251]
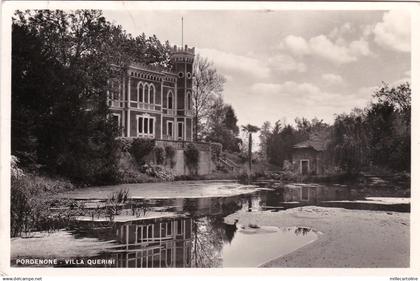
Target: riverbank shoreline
[177, 189]
[350, 238]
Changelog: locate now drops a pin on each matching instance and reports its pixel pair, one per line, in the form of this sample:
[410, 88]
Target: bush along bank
[142, 161]
[31, 208]
[34, 208]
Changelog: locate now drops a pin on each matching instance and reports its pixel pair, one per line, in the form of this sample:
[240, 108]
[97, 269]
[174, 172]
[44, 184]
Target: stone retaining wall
[206, 150]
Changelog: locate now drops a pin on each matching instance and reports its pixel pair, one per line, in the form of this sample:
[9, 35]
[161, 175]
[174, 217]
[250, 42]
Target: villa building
[155, 102]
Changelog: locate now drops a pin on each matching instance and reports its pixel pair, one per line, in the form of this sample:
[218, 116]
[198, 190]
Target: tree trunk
[250, 151]
[195, 128]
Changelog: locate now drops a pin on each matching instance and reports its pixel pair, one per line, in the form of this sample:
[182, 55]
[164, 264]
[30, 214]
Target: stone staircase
[229, 164]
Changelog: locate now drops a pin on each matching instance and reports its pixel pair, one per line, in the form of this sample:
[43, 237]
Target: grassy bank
[363, 178]
[31, 206]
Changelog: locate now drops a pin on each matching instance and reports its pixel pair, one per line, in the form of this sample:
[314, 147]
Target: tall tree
[280, 143]
[207, 87]
[72, 134]
[61, 62]
[221, 126]
[230, 121]
[265, 134]
[348, 146]
[250, 129]
[378, 135]
[274, 145]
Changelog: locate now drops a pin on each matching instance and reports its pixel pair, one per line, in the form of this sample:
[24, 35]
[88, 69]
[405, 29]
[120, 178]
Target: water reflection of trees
[207, 243]
[210, 232]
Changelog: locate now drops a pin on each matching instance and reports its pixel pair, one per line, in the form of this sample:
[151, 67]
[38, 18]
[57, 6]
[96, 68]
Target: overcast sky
[285, 64]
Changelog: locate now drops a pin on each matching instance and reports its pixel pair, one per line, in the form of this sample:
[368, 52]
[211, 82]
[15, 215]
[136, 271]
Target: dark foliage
[30, 205]
[230, 120]
[170, 155]
[140, 148]
[279, 142]
[159, 154]
[61, 63]
[222, 127]
[378, 136]
[192, 157]
[216, 151]
[348, 147]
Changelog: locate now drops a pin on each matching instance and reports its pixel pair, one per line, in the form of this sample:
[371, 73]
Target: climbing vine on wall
[170, 155]
[216, 151]
[159, 155]
[192, 157]
[140, 148]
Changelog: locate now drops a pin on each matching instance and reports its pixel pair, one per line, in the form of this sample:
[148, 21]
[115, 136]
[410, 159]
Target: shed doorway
[304, 167]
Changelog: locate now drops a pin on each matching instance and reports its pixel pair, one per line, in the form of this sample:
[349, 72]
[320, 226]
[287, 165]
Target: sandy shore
[351, 238]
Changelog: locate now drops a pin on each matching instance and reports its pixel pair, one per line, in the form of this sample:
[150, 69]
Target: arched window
[146, 93]
[152, 94]
[188, 101]
[140, 91]
[170, 100]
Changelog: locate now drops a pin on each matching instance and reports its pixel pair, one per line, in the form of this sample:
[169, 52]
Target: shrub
[30, 206]
[114, 203]
[192, 157]
[124, 144]
[140, 148]
[15, 171]
[159, 155]
[216, 151]
[157, 171]
[170, 155]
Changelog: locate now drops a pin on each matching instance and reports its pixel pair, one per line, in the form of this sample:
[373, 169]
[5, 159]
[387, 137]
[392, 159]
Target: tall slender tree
[265, 134]
[250, 129]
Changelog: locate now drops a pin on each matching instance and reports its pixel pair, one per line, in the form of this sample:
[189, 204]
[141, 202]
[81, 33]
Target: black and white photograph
[187, 137]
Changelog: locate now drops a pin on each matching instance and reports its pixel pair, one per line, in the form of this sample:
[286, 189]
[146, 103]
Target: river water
[190, 232]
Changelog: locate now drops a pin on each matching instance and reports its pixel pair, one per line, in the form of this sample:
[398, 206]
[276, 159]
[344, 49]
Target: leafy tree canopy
[61, 62]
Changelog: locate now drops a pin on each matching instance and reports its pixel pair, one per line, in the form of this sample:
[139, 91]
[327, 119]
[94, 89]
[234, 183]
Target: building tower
[182, 59]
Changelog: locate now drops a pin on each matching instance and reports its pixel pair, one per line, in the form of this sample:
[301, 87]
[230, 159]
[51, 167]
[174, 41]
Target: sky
[280, 64]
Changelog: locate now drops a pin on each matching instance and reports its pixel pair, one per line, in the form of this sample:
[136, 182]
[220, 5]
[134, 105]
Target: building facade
[310, 157]
[155, 102]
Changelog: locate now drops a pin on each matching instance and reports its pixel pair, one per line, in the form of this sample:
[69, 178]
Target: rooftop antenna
[182, 32]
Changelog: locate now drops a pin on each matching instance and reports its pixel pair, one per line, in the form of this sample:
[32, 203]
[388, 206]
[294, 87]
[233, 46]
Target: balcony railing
[171, 112]
[146, 106]
[188, 112]
[167, 137]
[177, 144]
[116, 103]
[149, 106]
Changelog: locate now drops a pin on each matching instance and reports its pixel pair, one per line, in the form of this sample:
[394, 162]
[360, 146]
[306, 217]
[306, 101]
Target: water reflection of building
[154, 243]
[196, 207]
[315, 193]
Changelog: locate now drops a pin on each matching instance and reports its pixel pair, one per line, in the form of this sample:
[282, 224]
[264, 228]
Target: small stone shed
[310, 157]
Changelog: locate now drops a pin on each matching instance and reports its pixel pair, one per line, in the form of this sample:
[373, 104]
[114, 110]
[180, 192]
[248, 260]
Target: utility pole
[182, 32]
